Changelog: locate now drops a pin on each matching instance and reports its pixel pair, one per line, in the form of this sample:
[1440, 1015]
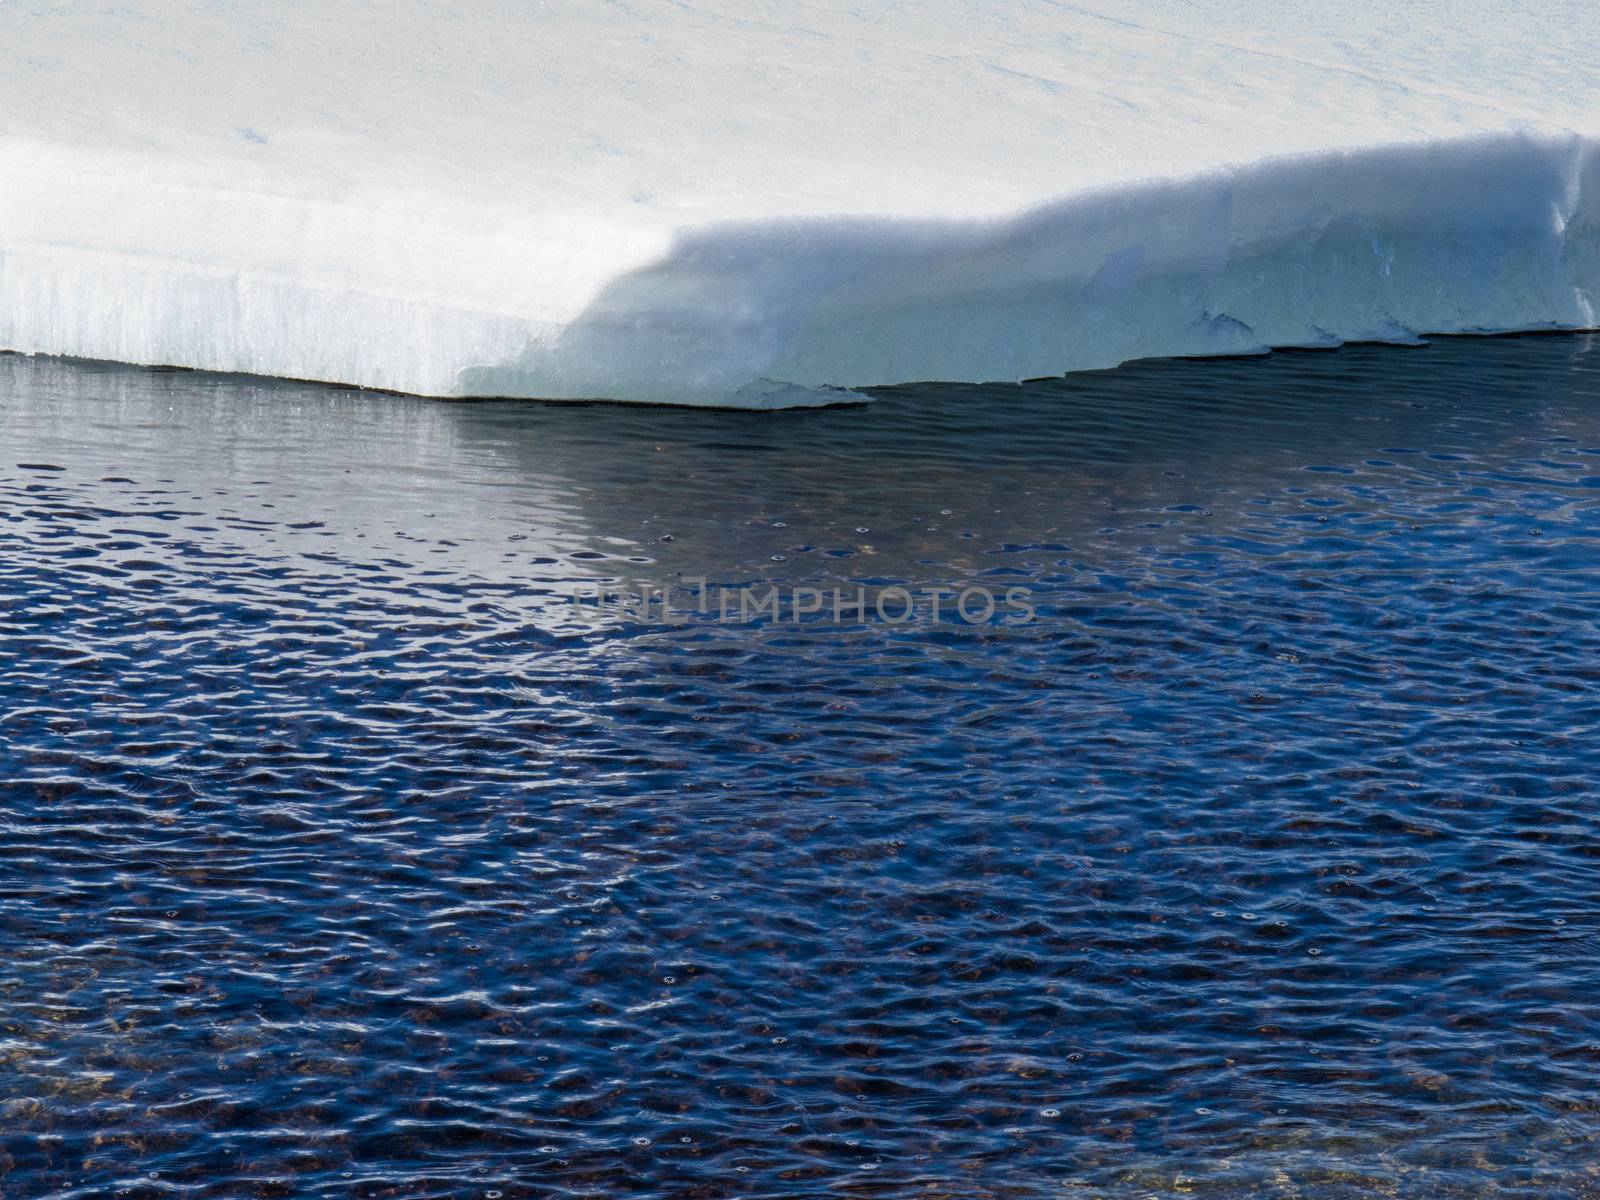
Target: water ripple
[343, 856]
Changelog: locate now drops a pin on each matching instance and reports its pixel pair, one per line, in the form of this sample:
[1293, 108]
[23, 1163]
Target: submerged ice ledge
[1497, 233]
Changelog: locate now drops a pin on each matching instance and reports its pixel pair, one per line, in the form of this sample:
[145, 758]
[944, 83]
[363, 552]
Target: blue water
[344, 856]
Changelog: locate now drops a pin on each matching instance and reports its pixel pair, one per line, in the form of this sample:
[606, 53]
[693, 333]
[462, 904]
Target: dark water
[342, 856]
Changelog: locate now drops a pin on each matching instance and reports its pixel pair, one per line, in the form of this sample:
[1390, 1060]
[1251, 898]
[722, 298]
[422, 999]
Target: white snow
[750, 202]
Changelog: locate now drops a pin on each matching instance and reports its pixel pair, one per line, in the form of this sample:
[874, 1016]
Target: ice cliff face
[750, 203]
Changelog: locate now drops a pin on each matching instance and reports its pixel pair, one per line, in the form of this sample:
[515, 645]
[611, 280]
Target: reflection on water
[344, 857]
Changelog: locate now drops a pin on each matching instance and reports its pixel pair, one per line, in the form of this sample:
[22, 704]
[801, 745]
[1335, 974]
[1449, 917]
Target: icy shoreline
[1036, 191]
[1490, 234]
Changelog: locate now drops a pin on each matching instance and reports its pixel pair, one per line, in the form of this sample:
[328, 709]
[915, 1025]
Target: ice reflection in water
[342, 857]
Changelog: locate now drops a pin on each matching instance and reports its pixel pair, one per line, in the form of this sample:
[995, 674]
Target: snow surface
[750, 202]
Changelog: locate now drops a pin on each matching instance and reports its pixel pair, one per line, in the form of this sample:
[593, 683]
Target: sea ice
[757, 202]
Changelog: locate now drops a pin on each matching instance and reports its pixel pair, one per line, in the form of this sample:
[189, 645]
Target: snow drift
[760, 203]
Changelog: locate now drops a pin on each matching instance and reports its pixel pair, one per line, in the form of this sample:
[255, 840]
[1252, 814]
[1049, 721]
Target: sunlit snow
[751, 202]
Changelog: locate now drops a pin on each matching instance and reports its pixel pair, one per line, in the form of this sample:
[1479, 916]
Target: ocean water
[345, 854]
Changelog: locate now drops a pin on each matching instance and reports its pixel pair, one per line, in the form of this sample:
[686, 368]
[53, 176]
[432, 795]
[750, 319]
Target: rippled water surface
[343, 856]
